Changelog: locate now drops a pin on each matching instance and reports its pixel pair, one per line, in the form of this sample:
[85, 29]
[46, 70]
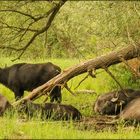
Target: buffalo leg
[55, 95]
[18, 94]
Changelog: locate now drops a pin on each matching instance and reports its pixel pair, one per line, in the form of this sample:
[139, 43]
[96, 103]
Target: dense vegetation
[80, 31]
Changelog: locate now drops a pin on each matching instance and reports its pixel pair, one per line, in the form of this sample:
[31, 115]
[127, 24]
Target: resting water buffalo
[4, 104]
[23, 76]
[111, 105]
[131, 111]
[49, 111]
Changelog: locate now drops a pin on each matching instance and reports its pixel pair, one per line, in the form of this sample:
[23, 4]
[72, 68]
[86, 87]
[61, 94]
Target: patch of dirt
[98, 123]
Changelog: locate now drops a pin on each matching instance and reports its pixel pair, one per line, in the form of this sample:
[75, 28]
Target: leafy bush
[125, 78]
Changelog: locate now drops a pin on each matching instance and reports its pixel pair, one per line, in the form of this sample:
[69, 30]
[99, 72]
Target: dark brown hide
[4, 104]
[131, 111]
[25, 77]
[49, 110]
[105, 104]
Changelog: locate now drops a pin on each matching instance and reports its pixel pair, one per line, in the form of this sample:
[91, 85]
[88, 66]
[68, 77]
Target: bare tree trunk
[93, 64]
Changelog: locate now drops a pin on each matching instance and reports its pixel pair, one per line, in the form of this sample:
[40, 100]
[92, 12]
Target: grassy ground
[13, 129]
[34, 129]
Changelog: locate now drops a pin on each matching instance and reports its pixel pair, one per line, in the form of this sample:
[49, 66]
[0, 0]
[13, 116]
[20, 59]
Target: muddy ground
[98, 123]
[102, 123]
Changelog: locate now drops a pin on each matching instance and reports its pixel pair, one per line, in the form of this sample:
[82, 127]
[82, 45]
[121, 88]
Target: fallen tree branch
[97, 63]
[85, 92]
[66, 86]
[82, 81]
[113, 77]
[91, 72]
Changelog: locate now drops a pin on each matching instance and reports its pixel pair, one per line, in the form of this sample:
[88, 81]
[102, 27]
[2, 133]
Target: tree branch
[44, 29]
[135, 73]
[109, 59]
[19, 12]
[16, 28]
[113, 77]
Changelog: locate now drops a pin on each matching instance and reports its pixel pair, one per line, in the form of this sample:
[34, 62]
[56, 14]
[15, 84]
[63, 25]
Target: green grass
[14, 129]
[37, 129]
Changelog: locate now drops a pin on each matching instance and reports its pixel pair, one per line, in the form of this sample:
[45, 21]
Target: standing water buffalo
[49, 111]
[112, 103]
[4, 104]
[131, 111]
[25, 77]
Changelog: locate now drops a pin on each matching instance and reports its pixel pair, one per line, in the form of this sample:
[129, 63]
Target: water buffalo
[25, 77]
[131, 111]
[113, 102]
[49, 111]
[4, 104]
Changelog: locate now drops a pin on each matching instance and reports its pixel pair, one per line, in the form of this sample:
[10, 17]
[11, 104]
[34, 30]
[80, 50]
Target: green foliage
[93, 28]
[125, 78]
[82, 29]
